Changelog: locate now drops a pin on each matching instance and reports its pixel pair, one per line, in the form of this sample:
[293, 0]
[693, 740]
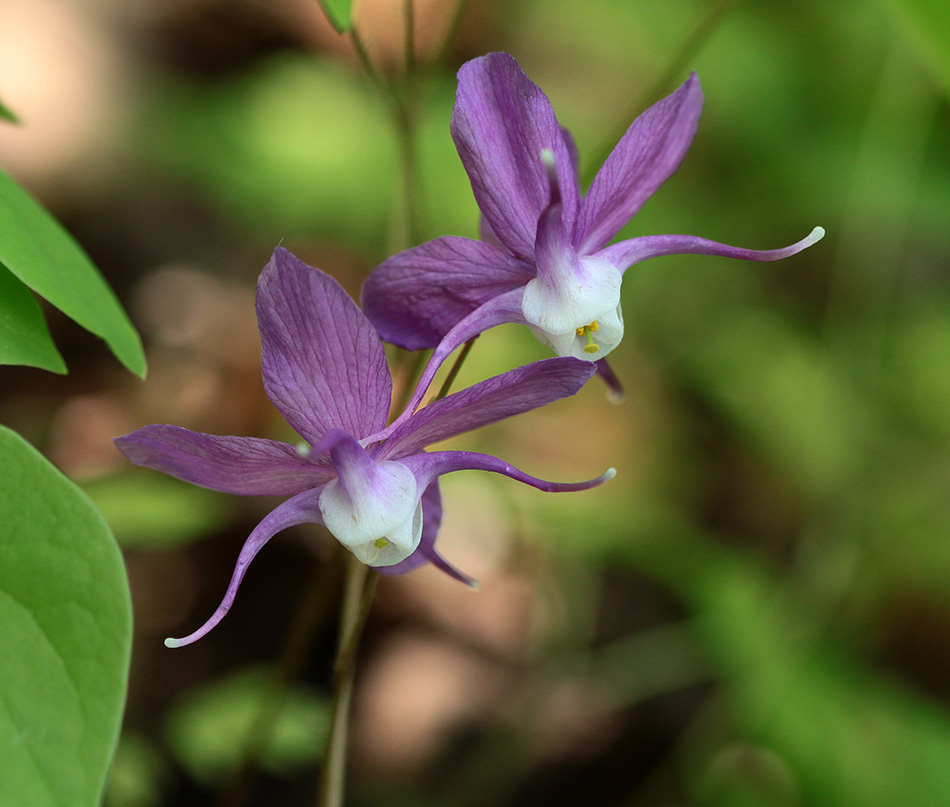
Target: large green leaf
[24, 338]
[338, 12]
[35, 248]
[65, 630]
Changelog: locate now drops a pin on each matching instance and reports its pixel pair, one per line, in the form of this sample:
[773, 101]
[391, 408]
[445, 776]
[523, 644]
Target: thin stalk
[409, 36]
[680, 61]
[404, 117]
[357, 599]
[451, 32]
[415, 361]
[367, 63]
[450, 378]
[297, 646]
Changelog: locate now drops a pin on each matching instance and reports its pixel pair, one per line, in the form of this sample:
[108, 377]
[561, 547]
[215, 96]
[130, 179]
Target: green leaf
[338, 12]
[65, 630]
[35, 248]
[928, 24]
[24, 338]
[7, 115]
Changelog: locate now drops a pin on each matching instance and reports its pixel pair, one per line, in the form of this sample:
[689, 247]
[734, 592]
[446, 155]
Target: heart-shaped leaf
[65, 630]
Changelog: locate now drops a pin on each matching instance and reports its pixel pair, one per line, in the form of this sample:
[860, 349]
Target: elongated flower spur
[544, 258]
[374, 487]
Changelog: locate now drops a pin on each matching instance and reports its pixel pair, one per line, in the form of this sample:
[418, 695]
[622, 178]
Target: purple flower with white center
[374, 487]
[544, 259]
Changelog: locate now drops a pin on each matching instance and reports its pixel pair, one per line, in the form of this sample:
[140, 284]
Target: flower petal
[416, 297]
[626, 253]
[646, 156]
[372, 508]
[501, 123]
[511, 393]
[429, 466]
[503, 308]
[614, 387]
[426, 551]
[248, 466]
[569, 291]
[324, 366]
[301, 509]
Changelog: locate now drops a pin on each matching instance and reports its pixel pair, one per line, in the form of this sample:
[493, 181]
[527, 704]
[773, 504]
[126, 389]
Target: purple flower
[374, 487]
[544, 259]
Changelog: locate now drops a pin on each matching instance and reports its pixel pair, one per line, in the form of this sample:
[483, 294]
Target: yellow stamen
[381, 543]
[588, 331]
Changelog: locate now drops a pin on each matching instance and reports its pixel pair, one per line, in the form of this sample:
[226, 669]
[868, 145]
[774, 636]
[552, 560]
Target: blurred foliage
[756, 610]
[151, 511]
[209, 729]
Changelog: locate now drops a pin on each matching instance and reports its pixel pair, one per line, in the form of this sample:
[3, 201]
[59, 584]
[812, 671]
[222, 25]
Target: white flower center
[579, 314]
[377, 516]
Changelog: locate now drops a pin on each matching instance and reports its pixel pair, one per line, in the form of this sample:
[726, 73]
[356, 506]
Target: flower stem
[453, 373]
[297, 645]
[357, 598]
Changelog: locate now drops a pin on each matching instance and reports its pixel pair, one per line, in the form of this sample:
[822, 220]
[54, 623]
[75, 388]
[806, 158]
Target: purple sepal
[504, 308]
[625, 254]
[301, 509]
[437, 284]
[248, 466]
[501, 124]
[324, 366]
[427, 467]
[426, 552]
[614, 387]
[489, 401]
[646, 156]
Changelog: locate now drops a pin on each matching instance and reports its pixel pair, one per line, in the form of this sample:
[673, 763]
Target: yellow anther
[381, 543]
[588, 331]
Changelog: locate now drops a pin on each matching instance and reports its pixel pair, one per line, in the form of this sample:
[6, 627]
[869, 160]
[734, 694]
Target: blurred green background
[756, 611]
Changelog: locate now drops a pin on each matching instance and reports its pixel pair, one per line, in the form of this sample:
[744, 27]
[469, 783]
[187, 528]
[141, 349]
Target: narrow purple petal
[614, 387]
[429, 466]
[501, 124]
[426, 552]
[431, 521]
[504, 308]
[646, 156]
[416, 297]
[301, 509]
[489, 401]
[324, 366]
[248, 466]
[626, 253]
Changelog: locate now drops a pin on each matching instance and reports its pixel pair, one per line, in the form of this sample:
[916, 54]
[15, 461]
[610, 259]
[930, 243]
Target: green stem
[453, 373]
[409, 37]
[451, 32]
[357, 599]
[297, 646]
